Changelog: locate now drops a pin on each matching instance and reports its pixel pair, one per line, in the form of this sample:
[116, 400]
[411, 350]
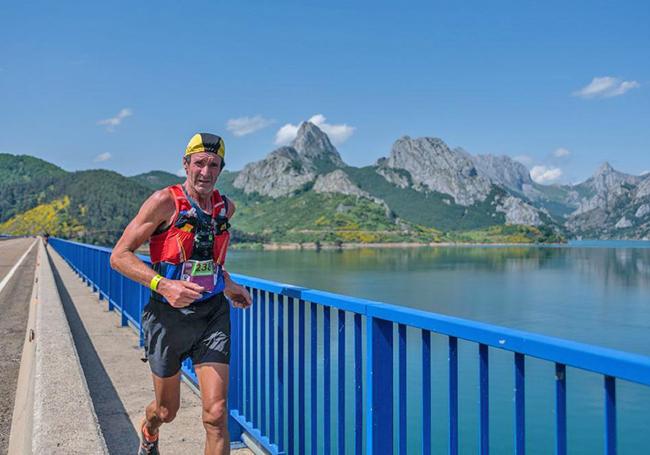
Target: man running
[187, 316]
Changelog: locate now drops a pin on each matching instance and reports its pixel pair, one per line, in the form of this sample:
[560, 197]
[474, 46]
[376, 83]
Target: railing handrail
[610, 362]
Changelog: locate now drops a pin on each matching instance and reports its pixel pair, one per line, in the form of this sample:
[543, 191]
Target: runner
[188, 315]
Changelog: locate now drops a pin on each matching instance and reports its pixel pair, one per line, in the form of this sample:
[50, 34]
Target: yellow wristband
[154, 282]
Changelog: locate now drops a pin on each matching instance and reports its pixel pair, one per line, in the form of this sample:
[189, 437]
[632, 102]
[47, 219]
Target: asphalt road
[14, 309]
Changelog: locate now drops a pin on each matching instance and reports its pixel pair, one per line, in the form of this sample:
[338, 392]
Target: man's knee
[166, 413]
[215, 416]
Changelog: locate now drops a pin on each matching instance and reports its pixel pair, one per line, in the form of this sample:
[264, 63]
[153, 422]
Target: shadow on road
[113, 419]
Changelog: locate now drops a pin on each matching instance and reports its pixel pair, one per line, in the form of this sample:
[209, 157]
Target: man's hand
[179, 293]
[237, 294]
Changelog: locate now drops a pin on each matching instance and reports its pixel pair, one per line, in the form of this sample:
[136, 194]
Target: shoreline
[313, 246]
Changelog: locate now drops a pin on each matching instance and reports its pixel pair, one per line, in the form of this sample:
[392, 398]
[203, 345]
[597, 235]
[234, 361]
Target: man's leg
[163, 409]
[213, 382]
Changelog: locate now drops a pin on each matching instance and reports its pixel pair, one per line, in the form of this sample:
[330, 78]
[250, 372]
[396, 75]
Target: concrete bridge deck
[118, 382]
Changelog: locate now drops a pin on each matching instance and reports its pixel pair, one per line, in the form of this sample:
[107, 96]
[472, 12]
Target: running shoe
[147, 447]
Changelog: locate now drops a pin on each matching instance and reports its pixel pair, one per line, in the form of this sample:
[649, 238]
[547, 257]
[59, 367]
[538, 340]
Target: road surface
[14, 309]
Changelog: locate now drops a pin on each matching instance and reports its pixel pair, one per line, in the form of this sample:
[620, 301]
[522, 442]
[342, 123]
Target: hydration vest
[193, 235]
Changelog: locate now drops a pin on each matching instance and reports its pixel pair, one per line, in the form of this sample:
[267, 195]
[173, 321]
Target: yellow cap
[206, 142]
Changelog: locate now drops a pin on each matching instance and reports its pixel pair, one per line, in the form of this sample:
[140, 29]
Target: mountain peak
[312, 143]
[311, 136]
[604, 169]
[432, 164]
[308, 127]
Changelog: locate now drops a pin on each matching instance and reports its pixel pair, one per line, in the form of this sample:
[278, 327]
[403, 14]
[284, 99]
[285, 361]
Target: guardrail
[273, 400]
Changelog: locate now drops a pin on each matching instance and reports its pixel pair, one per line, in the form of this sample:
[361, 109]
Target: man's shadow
[114, 421]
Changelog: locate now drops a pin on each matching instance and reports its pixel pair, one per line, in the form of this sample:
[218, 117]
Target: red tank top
[175, 244]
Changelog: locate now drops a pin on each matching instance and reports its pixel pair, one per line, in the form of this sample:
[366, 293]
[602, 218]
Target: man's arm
[156, 210]
[237, 293]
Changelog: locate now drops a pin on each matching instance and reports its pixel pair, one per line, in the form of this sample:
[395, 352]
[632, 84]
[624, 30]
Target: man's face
[202, 171]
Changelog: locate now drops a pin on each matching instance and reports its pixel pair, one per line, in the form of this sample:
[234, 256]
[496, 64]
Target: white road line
[6, 279]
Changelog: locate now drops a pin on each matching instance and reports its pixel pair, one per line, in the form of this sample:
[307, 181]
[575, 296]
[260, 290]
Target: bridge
[311, 371]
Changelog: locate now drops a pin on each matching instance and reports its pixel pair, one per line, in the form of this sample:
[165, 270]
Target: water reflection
[593, 293]
[584, 293]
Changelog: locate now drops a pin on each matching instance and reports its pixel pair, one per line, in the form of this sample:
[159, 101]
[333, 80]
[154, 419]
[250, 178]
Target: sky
[560, 86]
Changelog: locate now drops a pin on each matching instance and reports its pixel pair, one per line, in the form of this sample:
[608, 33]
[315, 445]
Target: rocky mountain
[433, 166]
[314, 147]
[611, 204]
[422, 191]
[603, 189]
[281, 173]
[429, 165]
[292, 167]
[503, 171]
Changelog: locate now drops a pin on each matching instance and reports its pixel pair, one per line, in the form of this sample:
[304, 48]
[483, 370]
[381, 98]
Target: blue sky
[124, 85]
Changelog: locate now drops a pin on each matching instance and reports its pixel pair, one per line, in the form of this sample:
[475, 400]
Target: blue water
[591, 291]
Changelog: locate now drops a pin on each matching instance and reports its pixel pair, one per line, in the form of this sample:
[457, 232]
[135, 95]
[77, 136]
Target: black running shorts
[200, 331]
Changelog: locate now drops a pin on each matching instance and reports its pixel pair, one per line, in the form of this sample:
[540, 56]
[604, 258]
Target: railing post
[313, 364]
[234, 428]
[610, 415]
[379, 371]
[272, 363]
[124, 321]
[426, 392]
[484, 400]
[280, 373]
[264, 424]
[109, 293]
[141, 300]
[358, 387]
[341, 381]
[290, 377]
[327, 385]
[520, 404]
[100, 266]
[560, 410]
[453, 396]
[301, 377]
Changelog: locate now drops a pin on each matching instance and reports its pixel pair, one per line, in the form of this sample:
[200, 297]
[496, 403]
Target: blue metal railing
[272, 398]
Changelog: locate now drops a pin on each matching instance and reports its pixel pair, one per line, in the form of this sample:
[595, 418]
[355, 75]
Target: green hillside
[310, 216]
[17, 169]
[157, 179]
[90, 206]
[95, 206]
[429, 209]
[103, 201]
[24, 183]
[53, 217]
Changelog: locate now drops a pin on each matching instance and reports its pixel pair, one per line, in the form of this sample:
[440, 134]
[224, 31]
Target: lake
[595, 292]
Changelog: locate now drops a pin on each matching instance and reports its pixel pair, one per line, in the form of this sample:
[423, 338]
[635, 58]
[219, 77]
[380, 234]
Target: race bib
[199, 272]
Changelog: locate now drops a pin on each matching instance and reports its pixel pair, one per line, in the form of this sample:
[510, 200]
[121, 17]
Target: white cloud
[246, 125]
[102, 157]
[286, 134]
[112, 122]
[338, 134]
[605, 87]
[544, 174]
[181, 172]
[524, 159]
[561, 152]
